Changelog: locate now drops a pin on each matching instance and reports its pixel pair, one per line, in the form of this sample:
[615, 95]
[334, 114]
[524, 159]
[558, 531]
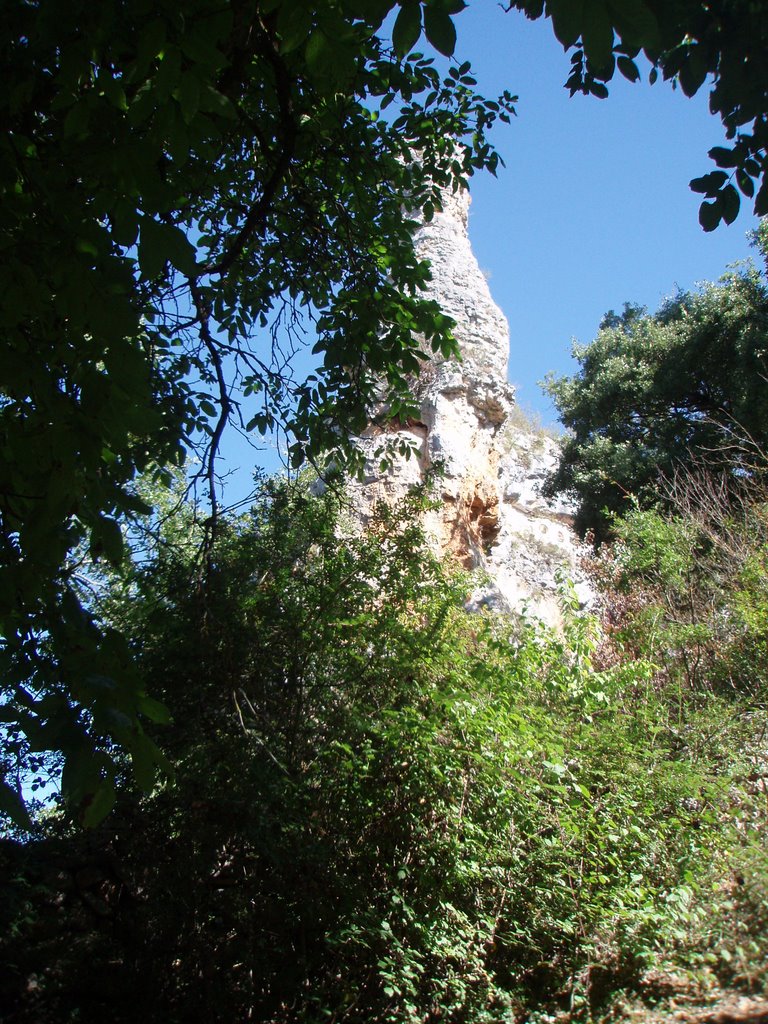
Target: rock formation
[492, 517]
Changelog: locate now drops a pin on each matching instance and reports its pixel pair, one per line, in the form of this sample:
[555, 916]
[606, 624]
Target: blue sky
[593, 208]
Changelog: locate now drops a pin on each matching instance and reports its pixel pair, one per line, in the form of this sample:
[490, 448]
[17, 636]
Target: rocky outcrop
[492, 518]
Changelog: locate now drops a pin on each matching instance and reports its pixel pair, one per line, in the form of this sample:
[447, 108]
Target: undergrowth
[385, 809]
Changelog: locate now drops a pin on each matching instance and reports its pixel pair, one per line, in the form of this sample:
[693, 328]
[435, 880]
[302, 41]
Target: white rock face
[493, 518]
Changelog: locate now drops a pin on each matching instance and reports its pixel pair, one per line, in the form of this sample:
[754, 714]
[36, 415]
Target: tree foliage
[657, 393]
[192, 193]
[189, 195]
[691, 44]
[688, 586]
[385, 810]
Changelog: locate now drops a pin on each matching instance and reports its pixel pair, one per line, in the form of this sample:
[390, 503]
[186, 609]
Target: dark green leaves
[725, 204]
[439, 29]
[438, 25]
[13, 806]
[710, 183]
[567, 20]
[628, 68]
[723, 158]
[597, 33]
[407, 27]
[709, 216]
[160, 244]
[107, 540]
[636, 24]
[99, 803]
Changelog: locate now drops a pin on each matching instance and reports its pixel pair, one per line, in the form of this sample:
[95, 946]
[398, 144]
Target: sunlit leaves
[656, 393]
[180, 159]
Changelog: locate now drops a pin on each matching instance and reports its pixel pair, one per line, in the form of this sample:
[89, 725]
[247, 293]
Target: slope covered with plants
[383, 808]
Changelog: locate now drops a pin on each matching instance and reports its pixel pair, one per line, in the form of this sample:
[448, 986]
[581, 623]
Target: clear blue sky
[593, 208]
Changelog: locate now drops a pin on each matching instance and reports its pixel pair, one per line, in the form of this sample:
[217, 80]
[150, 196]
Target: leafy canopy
[386, 809]
[655, 394]
[720, 43]
[191, 193]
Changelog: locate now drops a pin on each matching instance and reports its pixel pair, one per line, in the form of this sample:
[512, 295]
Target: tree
[191, 192]
[655, 394]
[188, 193]
[722, 42]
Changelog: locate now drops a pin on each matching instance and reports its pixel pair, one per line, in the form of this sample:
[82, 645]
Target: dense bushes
[383, 809]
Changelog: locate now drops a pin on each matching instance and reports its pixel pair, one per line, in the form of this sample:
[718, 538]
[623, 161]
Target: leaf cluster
[191, 194]
[657, 393]
[690, 44]
[384, 809]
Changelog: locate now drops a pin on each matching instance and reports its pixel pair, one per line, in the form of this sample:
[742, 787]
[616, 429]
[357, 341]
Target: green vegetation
[298, 781]
[384, 808]
[658, 394]
[193, 192]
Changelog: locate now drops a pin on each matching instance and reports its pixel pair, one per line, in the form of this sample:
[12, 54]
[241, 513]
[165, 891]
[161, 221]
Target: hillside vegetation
[380, 808]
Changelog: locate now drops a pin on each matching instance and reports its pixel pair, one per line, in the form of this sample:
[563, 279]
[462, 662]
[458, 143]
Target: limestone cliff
[493, 518]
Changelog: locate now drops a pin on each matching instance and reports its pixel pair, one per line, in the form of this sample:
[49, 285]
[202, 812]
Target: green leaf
[317, 49]
[440, 30]
[161, 243]
[107, 540]
[76, 121]
[154, 710]
[13, 806]
[81, 774]
[125, 223]
[151, 41]
[597, 33]
[294, 23]
[746, 184]
[724, 157]
[100, 803]
[214, 102]
[693, 70]
[730, 202]
[636, 23]
[407, 28]
[146, 758]
[709, 184]
[567, 19]
[188, 96]
[709, 215]
[628, 68]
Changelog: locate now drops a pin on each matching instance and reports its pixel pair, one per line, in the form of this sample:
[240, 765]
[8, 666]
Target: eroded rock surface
[493, 518]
